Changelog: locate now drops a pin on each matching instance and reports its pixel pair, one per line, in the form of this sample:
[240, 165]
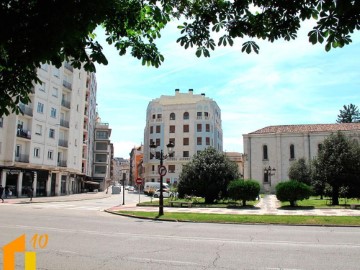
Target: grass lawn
[249, 219]
[200, 202]
[316, 202]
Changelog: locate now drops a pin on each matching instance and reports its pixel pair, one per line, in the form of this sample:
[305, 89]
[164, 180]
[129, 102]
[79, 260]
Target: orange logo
[18, 245]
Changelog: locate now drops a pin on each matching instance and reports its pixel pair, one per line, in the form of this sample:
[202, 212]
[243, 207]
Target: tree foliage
[52, 31]
[244, 190]
[337, 164]
[300, 171]
[349, 114]
[207, 175]
[292, 191]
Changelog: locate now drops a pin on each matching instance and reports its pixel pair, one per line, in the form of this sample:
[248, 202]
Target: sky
[286, 83]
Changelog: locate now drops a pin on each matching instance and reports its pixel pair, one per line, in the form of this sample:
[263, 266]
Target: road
[92, 239]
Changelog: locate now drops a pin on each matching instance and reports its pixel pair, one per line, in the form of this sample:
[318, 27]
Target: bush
[292, 191]
[243, 190]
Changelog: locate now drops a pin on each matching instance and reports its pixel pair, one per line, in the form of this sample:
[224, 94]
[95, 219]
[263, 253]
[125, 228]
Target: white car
[166, 193]
[131, 188]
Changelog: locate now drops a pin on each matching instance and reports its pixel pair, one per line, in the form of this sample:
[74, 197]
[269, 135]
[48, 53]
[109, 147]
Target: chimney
[177, 91]
[203, 94]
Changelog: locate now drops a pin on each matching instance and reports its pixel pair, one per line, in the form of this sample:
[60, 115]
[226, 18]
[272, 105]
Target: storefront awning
[91, 183]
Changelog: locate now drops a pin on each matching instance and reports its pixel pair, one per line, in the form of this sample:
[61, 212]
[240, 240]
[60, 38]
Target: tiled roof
[308, 128]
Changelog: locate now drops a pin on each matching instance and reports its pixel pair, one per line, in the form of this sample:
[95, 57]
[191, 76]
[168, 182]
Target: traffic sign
[162, 170]
[138, 181]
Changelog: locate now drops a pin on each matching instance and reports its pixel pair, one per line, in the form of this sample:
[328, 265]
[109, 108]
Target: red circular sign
[138, 181]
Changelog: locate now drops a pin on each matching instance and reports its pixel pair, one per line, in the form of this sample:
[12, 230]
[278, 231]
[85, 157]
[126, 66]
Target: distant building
[238, 159]
[278, 146]
[192, 122]
[136, 164]
[121, 170]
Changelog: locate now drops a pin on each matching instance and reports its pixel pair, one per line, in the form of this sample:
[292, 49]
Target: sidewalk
[266, 206]
[63, 198]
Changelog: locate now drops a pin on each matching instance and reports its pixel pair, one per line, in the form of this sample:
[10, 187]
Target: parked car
[166, 193]
[131, 188]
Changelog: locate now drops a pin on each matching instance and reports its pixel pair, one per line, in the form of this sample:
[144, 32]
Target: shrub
[292, 191]
[243, 190]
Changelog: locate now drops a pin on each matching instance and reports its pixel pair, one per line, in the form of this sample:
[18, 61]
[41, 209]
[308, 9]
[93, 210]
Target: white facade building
[46, 147]
[192, 122]
[278, 146]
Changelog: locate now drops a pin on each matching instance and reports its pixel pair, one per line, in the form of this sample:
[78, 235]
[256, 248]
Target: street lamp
[162, 170]
[269, 172]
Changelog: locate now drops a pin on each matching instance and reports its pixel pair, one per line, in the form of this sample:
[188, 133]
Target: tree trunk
[244, 202]
[292, 203]
[335, 195]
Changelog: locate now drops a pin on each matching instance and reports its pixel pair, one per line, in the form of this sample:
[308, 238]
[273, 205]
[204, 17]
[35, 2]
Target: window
[151, 130]
[186, 116]
[38, 129]
[157, 142]
[56, 72]
[40, 107]
[55, 92]
[186, 128]
[266, 177]
[172, 129]
[292, 151]
[50, 154]
[100, 157]
[102, 135]
[101, 146]
[158, 129]
[159, 116]
[185, 141]
[153, 116]
[207, 127]
[199, 141]
[265, 152]
[42, 87]
[185, 153]
[53, 113]
[44, 66]
[172, 116]
[199, 115]
[1, 121]
[207, 140]
[51, 133]
[199, 127]
[171, 168]
[37, 152]
[206, 114]
[100, 169]
[172, 140]
[18, 150]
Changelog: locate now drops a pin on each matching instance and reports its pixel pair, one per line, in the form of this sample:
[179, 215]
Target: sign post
[138, 181]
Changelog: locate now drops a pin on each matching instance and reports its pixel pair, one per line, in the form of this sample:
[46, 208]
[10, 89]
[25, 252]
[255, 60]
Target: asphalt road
[80, 239]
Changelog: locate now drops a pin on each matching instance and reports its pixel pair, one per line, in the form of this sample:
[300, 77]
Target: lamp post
[162, 170]
[269, 172]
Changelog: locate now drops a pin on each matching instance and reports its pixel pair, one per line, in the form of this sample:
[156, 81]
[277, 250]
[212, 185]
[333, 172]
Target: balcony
[23, 133]
[67, 85]
[64, 123]
[22, 158]
[65, 103]
[62, 163]
[63, 143]
[25, 109]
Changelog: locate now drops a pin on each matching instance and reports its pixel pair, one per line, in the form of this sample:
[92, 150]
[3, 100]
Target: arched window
[265, 152]
[186, 116]
[292, 151]
[172, 116]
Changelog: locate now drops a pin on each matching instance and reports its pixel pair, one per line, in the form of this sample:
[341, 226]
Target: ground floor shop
[44, 183]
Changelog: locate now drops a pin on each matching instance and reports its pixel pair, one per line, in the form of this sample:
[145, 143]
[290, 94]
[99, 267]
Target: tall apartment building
[192, 122]
[48, 147]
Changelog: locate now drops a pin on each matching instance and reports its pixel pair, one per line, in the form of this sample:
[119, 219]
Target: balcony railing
[63, 143]
[67, 85]
[26, 109]
[62, 163]
[22, 158]
[64, 123]
[23, 133]
[65, 103]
